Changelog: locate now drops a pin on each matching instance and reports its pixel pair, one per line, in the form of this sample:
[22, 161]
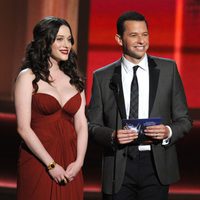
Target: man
[133, 170]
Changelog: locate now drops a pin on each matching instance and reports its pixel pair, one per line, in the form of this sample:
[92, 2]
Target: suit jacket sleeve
[181, 122]
[97, 129]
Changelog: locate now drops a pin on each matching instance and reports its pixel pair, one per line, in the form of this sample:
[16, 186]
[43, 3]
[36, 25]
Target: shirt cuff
[166, 141]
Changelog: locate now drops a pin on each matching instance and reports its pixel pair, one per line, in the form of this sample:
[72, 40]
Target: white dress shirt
[143, 84]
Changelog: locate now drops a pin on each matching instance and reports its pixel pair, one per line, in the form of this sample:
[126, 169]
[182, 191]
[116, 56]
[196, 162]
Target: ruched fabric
[54, 126]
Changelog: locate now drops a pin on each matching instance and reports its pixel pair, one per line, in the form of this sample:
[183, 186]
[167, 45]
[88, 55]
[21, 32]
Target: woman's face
[62, 45]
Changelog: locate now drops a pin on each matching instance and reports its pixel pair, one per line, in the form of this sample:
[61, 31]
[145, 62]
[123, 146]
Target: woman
[50, 109]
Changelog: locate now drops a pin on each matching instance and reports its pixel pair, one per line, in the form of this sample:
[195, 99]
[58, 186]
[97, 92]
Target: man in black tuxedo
[141, 171]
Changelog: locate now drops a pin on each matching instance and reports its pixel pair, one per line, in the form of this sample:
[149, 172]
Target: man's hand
[157, 132]
[125, 136]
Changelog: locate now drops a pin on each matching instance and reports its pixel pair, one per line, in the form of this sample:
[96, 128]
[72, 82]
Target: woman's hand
[59, 174]
[72, 170]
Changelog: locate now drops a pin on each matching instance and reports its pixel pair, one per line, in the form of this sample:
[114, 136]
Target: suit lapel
[153, 82]
[120, 100]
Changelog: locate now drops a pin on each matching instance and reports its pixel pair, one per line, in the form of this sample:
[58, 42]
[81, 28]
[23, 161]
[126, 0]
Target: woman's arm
[80, 123]
[23, 97]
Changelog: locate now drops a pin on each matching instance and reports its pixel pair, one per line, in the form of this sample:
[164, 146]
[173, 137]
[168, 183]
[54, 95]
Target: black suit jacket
[166, 100]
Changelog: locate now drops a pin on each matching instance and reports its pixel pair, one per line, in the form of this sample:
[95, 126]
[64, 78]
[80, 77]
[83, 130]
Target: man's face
[135, 40]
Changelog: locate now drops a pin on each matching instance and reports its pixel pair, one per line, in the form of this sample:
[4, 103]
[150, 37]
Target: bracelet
[51, 165]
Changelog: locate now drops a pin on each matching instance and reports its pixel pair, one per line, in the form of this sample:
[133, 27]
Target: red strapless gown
[54, 127]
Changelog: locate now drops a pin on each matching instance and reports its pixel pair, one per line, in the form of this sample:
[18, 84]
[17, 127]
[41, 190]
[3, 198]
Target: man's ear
[118, 39]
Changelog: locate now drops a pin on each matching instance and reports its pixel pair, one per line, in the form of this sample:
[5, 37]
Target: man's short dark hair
[130, 15]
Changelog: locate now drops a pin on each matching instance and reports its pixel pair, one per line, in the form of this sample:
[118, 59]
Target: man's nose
[140, 39]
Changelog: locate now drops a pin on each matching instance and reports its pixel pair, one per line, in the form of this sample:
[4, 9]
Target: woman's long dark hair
[38, 53]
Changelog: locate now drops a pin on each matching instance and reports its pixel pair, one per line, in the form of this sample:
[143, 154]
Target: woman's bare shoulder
[26, 74]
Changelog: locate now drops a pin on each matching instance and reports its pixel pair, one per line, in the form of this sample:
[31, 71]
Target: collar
[128, 66]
